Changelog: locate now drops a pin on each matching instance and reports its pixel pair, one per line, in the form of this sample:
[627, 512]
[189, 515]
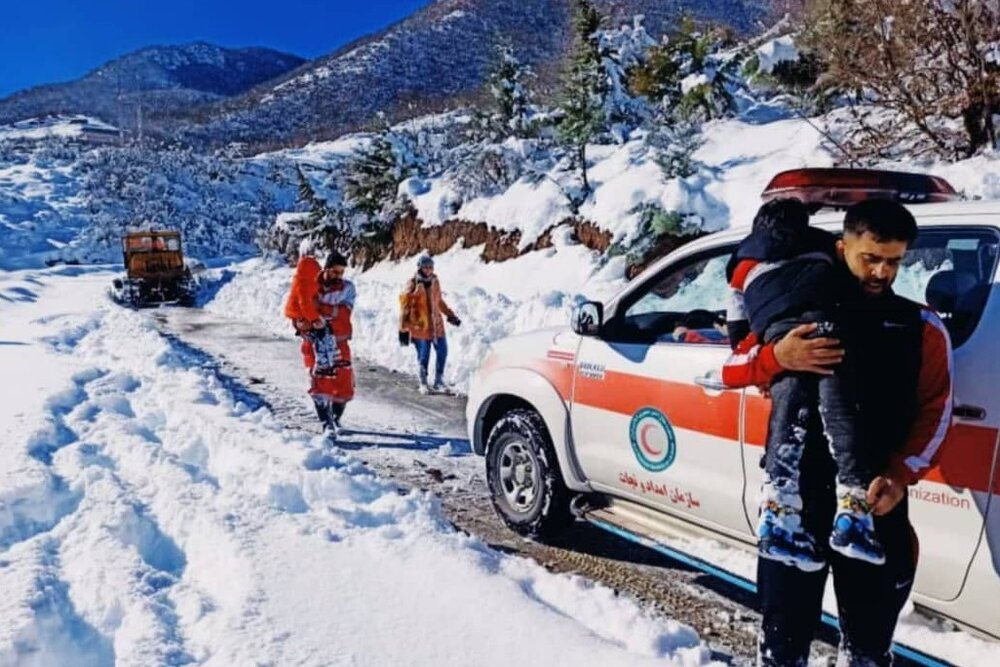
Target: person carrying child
[784, 274]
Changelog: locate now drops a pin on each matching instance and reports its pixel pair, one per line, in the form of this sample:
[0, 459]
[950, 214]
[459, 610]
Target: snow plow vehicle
[621, 421]
[155, 272]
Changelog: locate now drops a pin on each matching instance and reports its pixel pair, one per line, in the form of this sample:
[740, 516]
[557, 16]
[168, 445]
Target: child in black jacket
[785, 274]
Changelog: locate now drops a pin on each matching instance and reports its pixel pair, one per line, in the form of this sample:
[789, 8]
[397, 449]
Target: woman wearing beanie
[422, 318]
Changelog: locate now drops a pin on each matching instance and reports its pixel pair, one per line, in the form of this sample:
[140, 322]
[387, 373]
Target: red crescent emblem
[645, 444]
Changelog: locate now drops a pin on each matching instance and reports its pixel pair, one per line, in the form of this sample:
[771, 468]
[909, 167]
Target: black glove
[404, 338]
[454, 321]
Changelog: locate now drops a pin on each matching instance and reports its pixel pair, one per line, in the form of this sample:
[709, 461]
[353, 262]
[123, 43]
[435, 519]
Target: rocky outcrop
[409, 237]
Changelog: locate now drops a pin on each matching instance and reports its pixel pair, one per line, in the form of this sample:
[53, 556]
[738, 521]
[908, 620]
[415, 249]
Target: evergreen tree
[622, 52]
[507, 86]
[688, 74]
[373, 173]
[585, 92]
[318, 211]
[673, 142]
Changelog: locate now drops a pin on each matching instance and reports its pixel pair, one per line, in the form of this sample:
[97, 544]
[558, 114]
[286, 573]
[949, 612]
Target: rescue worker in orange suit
[903, 362]
[325, 299]
[422, 317]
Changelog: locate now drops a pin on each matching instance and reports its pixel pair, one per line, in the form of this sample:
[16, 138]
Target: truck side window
[684, 304]
[951, 270]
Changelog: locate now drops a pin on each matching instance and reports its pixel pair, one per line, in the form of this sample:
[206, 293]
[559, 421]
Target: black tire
[522, 471]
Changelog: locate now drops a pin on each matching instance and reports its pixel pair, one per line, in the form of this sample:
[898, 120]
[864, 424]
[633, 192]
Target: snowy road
[153, 511]
[426, 447]
[164, 499]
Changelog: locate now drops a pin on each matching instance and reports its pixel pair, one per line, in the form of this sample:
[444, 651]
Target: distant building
[81, 129]
[92, 131]
[100, 134]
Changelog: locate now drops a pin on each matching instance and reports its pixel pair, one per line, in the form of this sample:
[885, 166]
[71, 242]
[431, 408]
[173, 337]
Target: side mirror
[588, 318]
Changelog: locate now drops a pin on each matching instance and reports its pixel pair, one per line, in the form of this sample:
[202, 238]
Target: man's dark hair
[884, 219]
[334, 259]
[781, 214]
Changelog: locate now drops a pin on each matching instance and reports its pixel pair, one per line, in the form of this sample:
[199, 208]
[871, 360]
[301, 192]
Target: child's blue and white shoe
[780, 537]
[853, 532]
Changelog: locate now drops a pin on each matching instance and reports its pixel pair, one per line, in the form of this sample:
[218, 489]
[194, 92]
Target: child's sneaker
[424, 389]
[854, 530]
[780, 537]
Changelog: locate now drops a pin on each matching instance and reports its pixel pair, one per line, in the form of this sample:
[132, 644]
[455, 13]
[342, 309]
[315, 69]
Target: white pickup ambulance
[642, 435]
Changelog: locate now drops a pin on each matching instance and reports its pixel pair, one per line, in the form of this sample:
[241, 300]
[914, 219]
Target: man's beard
[875, 287]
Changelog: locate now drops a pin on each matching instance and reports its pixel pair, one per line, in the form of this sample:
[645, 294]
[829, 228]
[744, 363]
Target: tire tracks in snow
[724, 616]
[147, 560]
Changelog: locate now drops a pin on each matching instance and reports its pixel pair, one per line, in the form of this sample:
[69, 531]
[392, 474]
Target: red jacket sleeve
[935, 398]
[751, 364]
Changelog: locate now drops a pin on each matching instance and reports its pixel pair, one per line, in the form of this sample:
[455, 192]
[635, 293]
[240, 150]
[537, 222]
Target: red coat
[301, 306]
[339, 388]
[335, 303]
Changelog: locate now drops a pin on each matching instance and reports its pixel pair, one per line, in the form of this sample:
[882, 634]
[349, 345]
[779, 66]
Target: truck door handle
[970, 412]
[711, 380]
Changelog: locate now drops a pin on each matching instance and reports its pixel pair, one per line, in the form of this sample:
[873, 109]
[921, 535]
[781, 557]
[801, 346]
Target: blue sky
[49, 41]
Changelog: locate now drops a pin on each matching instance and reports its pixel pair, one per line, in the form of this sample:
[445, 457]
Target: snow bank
[492, 300]
[738, 157]
[182, 524]
[539, 289]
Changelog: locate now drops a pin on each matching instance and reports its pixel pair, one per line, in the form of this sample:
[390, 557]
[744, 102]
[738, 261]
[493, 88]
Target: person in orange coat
[302, 309]
[319, 304]
[422, 317]
[335, 300]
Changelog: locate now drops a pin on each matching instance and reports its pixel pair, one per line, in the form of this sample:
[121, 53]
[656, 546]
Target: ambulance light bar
[842, 187]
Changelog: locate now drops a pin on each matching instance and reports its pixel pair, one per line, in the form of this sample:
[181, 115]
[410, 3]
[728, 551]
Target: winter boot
[439, 387]
[854, 529]
[325, 410]
[423, 388]
[780, 537]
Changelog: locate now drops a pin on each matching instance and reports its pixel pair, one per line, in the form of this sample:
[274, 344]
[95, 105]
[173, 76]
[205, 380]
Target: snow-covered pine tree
[690, 73]
[375, 170]
[324, 225]
[318, 211]
[673, 142]
[585, 91]
[507, 83]
[710, 72]
[623, 51]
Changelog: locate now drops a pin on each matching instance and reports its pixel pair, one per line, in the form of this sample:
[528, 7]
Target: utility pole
[138, 115]
[138, 95]
[118, 107]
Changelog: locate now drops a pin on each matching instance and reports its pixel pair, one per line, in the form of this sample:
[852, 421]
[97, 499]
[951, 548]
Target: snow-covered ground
[151, 514]
[255, 291]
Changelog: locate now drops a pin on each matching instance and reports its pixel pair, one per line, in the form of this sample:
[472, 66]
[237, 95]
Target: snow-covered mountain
[160, 79]
[422, 63]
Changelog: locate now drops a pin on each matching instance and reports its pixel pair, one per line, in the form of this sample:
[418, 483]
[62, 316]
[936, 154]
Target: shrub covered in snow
[219, 205]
